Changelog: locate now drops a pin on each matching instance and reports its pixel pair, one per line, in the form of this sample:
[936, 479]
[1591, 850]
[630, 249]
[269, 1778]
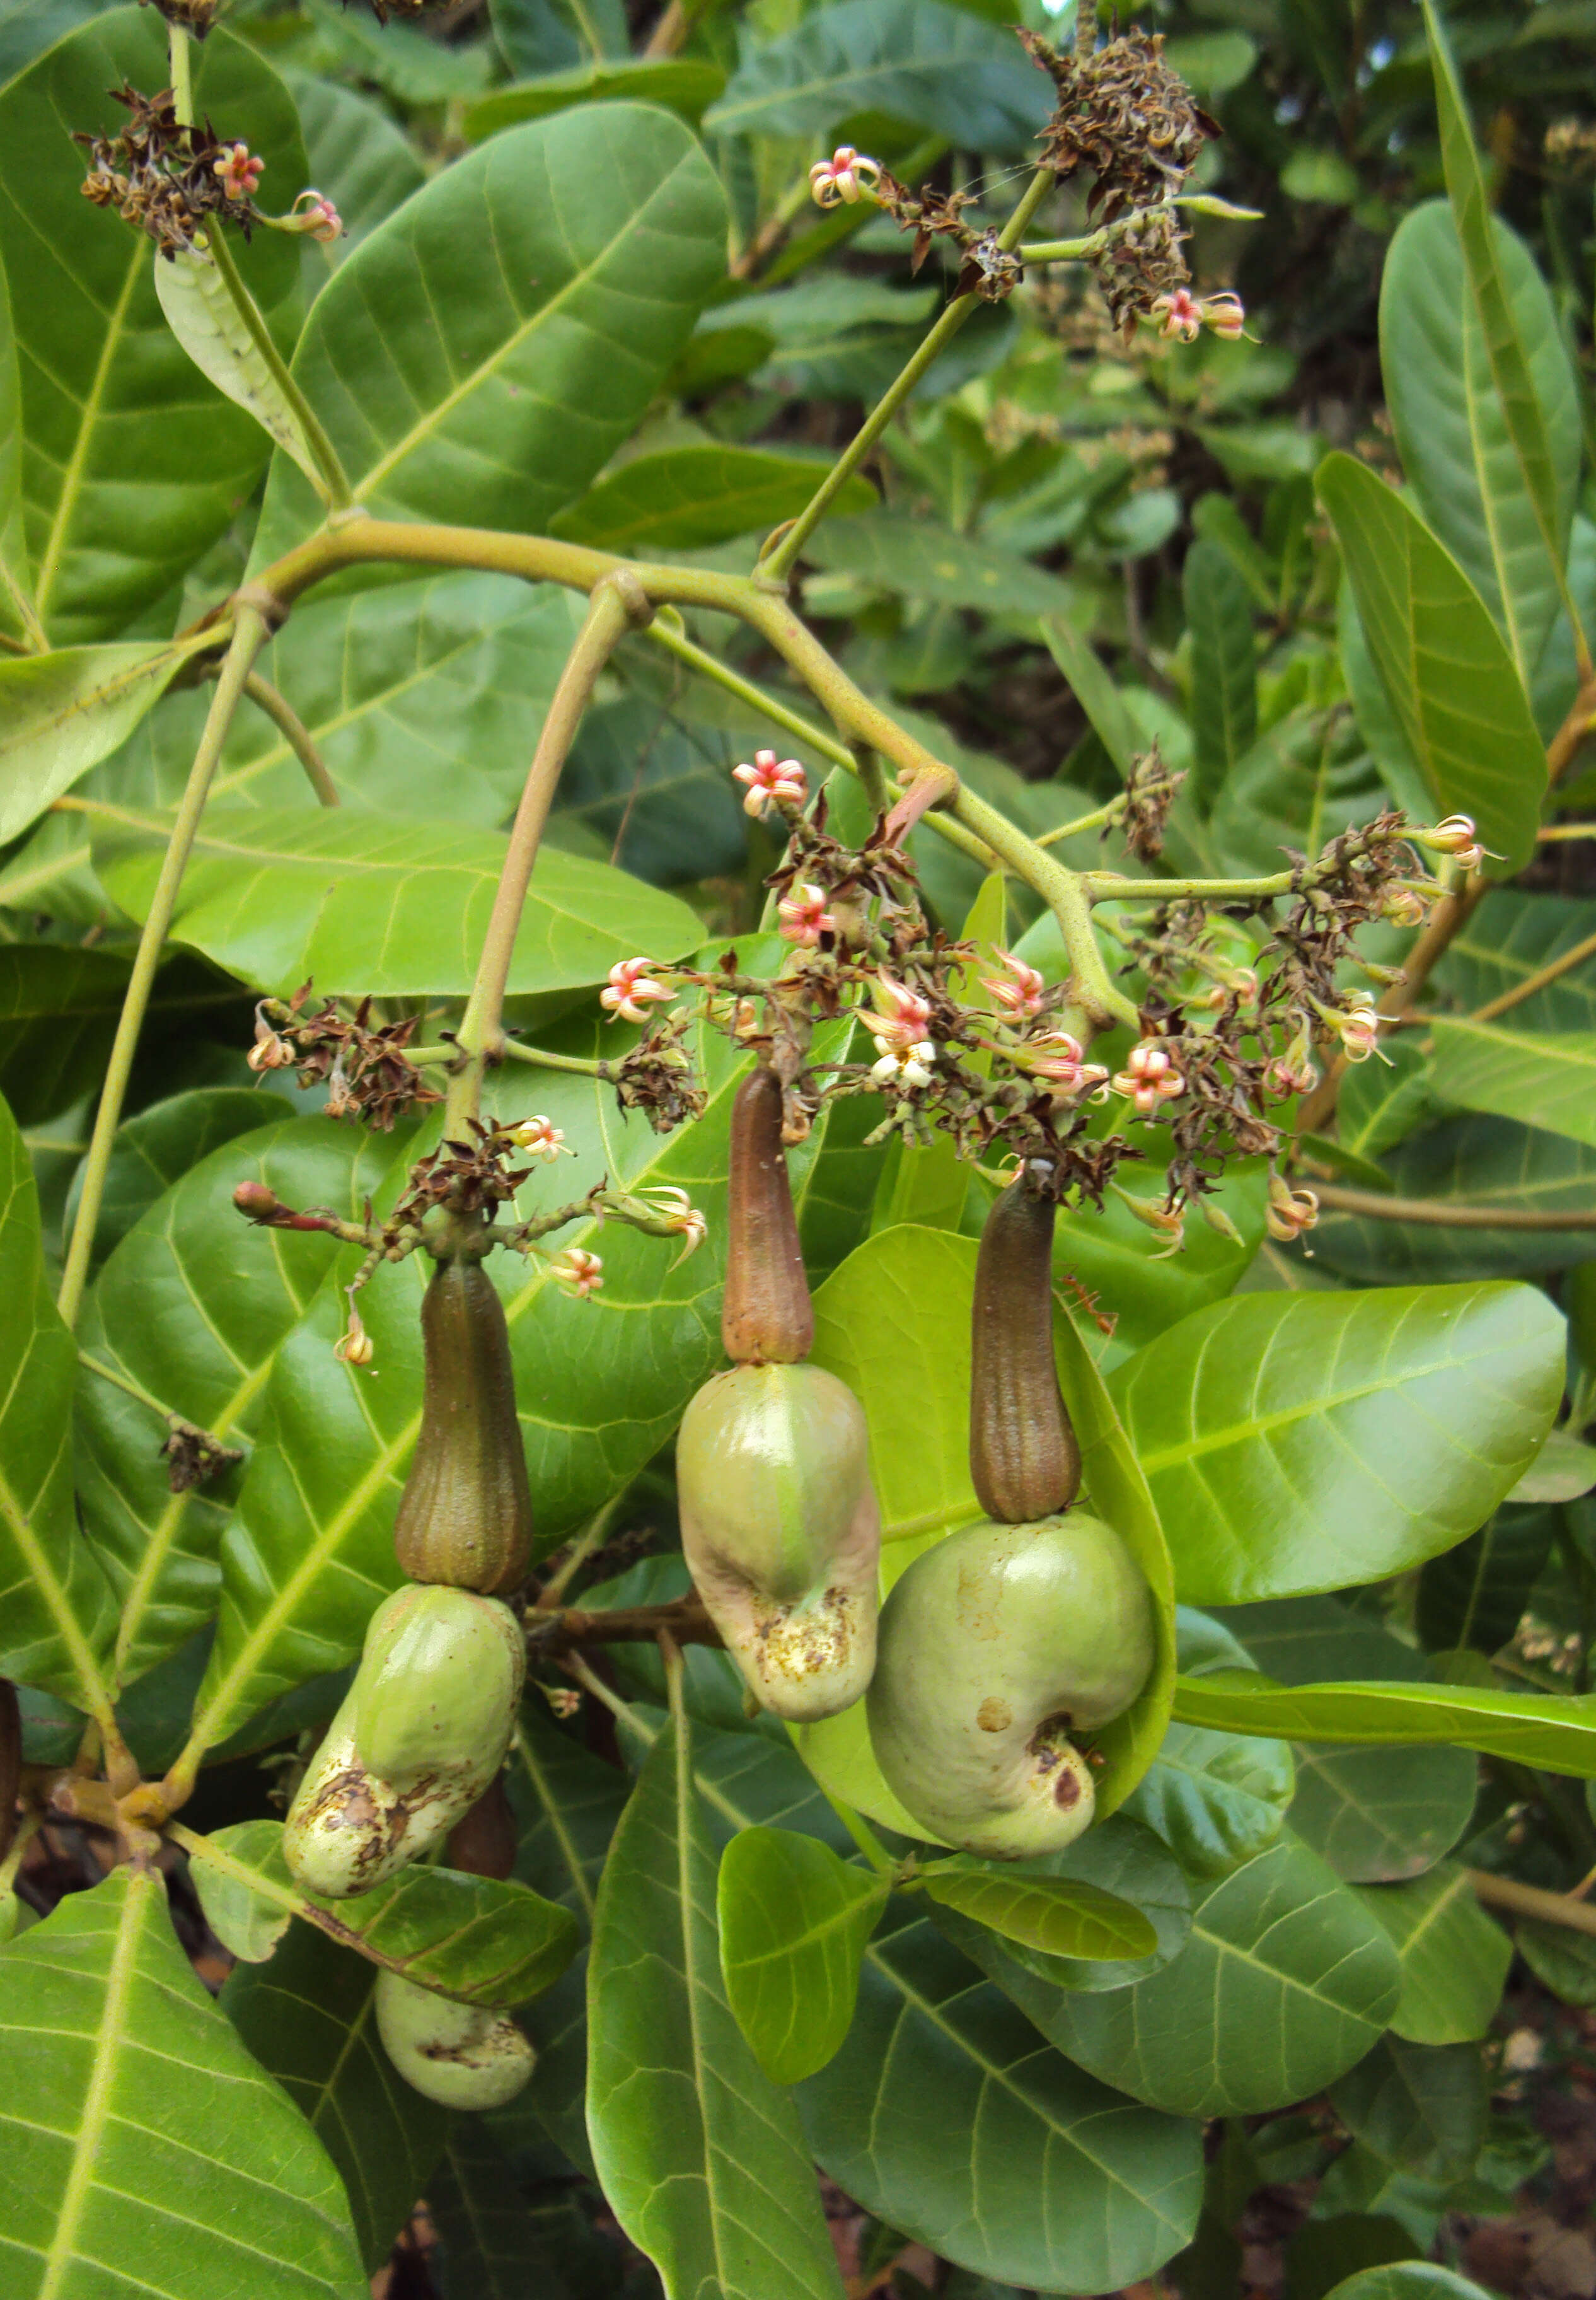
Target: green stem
[1437, 1214]
[1065, 895]
[779, 714]
[293, 732]
[539, 1058]
[1102, 818]
[180, 73]
[120, 1381]
[1108, 887]
[335, 485]
[249, 636]
[779, 562]
[863, 1836]
[618, 603]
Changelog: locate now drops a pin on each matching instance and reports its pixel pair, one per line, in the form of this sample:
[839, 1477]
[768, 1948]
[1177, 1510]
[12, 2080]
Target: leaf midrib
[96, 2103]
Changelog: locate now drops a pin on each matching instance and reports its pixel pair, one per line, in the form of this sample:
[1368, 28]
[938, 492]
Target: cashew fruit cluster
[779, 1523]
[463, 2055]
[1013, 1635]
[420, 1736]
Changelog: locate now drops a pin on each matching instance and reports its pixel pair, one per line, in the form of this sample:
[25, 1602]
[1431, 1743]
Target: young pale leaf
[793, 1923]
[62, 713]
[1454, 1957]
[1445, 668]
[121, 2080]
[699, 2154]
[1224, 666]
[1555, 1731]
[59, 1617]
[309, 2019]
[473, 1938]
[107, 390]
[1060, 1916]
[389, 909]
[1285, 1982]
[202, 315]
[1301, 1442]
[1120, 1857]
[1539, 1080]
[1453, 430]
[481, 357]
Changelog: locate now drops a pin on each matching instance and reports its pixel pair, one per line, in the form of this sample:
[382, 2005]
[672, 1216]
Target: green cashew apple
[465, 1516]
[995, 1647]
[463, 2055]
[421, 1733]
[781, 1532]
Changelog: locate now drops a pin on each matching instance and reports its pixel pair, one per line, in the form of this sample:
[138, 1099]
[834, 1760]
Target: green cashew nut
[995, 1647]
[464, 2056]
[421, 1734]
[781, 1531]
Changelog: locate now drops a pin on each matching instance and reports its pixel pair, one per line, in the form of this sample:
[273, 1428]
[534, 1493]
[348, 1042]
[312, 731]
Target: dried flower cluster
[167, 179]
[367, 1073]
[1125, 115]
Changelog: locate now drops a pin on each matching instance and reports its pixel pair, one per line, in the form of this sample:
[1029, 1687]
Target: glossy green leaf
[700, 2156]
[1565, 1962]
[1224, 666]
[1469, 1161]
[1056, 1916]
[107, 390]
[162, 1143]
[1302, 782]
[1563, 1470]
[309, 2018]
[923, 561]
[793, 1921]
[1457, 449]
[120, 2083]
[1454, 1957]
[422, 698]
[1374, 1814]
[1117, 1258]
[1285, 1983]
[1475, 1595]
[941, 68]
[505, 2233]
[472, 1938]
[1540, 1080]
[1214, 1799]
[543, 36]
[1382, 1102]
[59, 1614]
[193, 1307]
[1544, 433]
[683, 84]
[1119, 1857]
[58, 1012]
[202, 315]
[946, 2115]
[364, 165]
[19, 617]
[309, 1552]
[389, 909]
[1421, 2107]
[1105, 707]
[1407, 2279]
[1294, 1443]
[682, 498]
[481, 357]
[1555, 1732]
[1511, 937]
[60, 713]
[1448, 676]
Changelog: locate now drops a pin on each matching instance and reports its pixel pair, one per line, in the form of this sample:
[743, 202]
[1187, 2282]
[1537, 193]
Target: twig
[1530, 1901]
[293, 732]
[559, 1630]
[1436, 1214]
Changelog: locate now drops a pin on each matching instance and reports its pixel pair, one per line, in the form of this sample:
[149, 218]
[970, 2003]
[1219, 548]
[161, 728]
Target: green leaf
[1375, 1814]
[364, 165]
[1215, 1798]
[472, 1938]
[1512, 937]
[1475, 1595]
[1451, 683]
[1565, 1962]
[62, 713]
[164, 1142]
[192, 1308]
[309, 2018]
[1545, 443]
[1415, 2279]
[309, 1552]
[1301, 1442]
[202, 315]
[59, 1614]
[423, 698]
[505, 2233]
[1116, 1258]
[1454, 1958]
[140, 2087]
[1304, 778]
[1422, 2107]
[1056, 1916]
[1555, 1732]
[481, 357]
[1285, 1983]
[541, 35]
[682, 498]
[1536, 1079]
[946, 2116]
[700, 2157]
[1118, 1856]
[387, 909]
[941, 68]
[58, 1014]
[683, 84]
[1094, 691]
[1563, 1470]
[1224, 666]
[921, 559]
[107, 390]
[793, 1921]
[1469, 1161]
[19, 617]
[1453, 432]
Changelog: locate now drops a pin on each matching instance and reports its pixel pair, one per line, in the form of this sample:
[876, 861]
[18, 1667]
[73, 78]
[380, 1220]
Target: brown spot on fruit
[1067, 1790]
[995, 1716]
